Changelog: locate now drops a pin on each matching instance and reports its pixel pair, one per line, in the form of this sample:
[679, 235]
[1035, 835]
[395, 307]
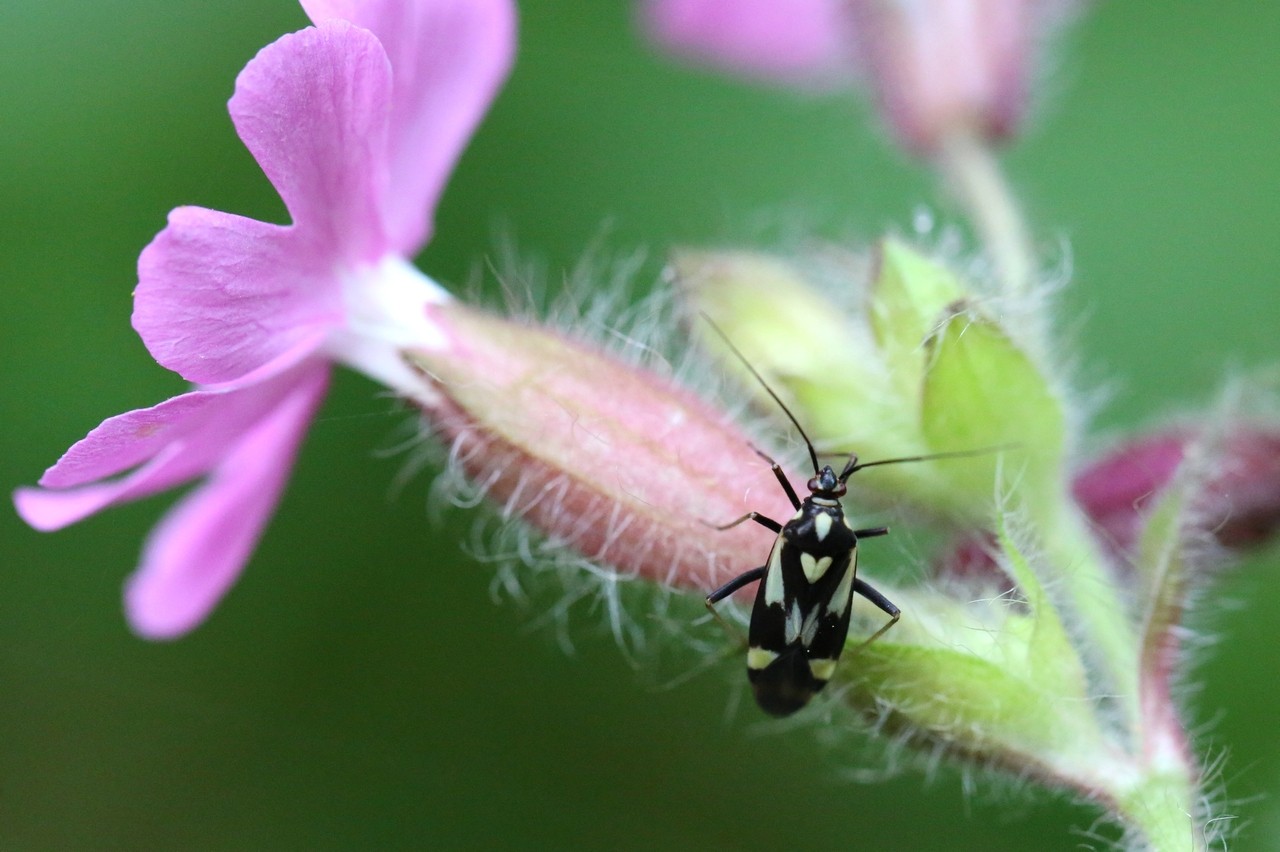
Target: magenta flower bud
[1239, 503]
[611, 460]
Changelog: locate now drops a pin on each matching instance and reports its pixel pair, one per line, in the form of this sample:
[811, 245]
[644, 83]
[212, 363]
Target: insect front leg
[781, 477]
[768, 523]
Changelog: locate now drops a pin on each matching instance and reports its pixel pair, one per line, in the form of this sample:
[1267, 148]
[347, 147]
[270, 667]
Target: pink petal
[195, 554]
[220, 296]
[52, 510]
[312, 108]
[448, 58]
[797, 41]
[178, 440]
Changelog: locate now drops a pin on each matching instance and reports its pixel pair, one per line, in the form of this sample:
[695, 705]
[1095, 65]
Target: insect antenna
[956, 454]
[813, 454]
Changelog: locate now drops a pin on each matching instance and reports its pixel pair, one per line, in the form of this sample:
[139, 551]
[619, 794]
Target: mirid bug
[800, 620]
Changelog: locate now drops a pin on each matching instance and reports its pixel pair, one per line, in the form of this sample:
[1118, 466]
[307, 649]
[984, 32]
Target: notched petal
[220, 296]
[312, 107]
[448, 60]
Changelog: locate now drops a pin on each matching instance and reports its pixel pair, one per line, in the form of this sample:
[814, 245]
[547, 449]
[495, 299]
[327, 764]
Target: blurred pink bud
[946, 67]
[613, 461]
[938, 67]
[800, 42]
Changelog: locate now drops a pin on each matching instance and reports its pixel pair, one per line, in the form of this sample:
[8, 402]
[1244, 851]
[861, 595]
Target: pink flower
[937, 67]
[357, 122]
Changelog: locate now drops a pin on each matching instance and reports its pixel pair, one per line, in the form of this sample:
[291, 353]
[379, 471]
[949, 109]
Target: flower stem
[974, 176]
[1160, 808]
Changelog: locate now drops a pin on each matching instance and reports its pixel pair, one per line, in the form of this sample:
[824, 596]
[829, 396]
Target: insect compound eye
[827, 484]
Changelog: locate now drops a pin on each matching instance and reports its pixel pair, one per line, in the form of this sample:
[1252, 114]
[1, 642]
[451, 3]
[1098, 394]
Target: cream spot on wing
[839, 602]
[814, 568]
[773, 591]
[795, 623]
[759, 658]
[810, 627]
[822, 669]
[822, 525]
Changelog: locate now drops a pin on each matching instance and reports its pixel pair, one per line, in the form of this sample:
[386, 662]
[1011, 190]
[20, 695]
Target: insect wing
[799, 623]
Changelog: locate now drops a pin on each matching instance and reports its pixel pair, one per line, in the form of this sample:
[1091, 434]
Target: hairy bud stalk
[612, 460]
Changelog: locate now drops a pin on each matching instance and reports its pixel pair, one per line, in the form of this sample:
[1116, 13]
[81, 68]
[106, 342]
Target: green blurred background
[359, 687]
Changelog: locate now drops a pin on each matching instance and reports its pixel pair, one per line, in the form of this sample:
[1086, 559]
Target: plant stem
[974, 177]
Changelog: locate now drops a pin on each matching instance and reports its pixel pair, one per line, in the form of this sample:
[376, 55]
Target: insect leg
[781, 477]
[887, 606]
[768, 523]
[744, 579]
[871, 533]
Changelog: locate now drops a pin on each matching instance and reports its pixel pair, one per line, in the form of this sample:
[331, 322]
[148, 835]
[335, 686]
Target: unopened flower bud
[1239, 502]
[804, 43]
[939, 68]
[612, 460]
[951, 67]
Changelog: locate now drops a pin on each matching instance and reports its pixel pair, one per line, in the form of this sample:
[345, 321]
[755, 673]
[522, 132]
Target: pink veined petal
[313, 108]
[197, 551]
[448, 59]
[178, 440]
[797, 41]
[220, 296]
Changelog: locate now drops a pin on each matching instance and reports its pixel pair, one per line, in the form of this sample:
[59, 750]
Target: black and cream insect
[800, 621]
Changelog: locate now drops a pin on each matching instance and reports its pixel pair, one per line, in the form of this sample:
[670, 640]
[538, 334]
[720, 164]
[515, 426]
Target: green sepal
[791, 333]
[982, 390]
[1164, 571]
[909, 294]
[1050, 654]
[823, 364]
[977, 678]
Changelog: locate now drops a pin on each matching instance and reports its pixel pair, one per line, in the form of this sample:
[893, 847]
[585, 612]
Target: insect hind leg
[885, 605]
